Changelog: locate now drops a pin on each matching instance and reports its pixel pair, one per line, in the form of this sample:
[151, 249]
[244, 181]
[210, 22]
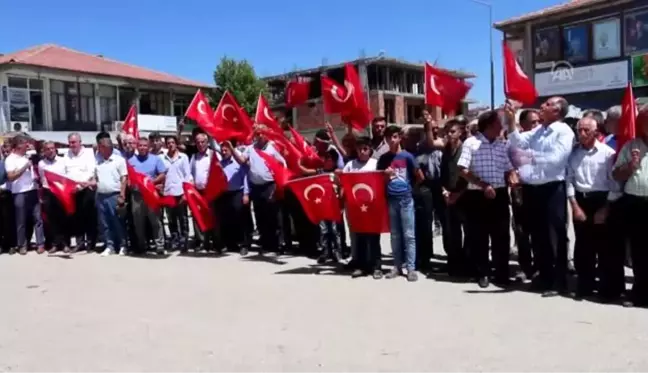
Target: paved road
[88, 313]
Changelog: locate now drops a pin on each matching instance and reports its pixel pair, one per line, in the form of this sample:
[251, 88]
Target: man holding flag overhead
[154, 172]
[263, 188]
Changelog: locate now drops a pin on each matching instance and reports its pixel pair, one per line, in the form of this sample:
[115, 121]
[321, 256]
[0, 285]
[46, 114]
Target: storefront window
[72, 106]
[107, 104]
[26, 102]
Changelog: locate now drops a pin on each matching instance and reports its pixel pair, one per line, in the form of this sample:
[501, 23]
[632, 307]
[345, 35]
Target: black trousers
[57, 221]
[285, 223]
[522, 231]
[611, 258]
[231, 217]
[423, 220]
[306, 233]
[84, 221]
[547, 208]
[453, 240]
[489, 219]
[7, 221]
[178, 222]
[368, 251]
[266, 213]
[591, 239]
[636, 222]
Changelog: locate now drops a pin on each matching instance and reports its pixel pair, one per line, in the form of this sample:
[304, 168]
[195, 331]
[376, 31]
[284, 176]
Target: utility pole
[490, 39]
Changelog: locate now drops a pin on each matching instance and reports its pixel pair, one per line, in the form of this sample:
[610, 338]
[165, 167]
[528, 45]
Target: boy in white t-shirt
[20, 172]
[365, 252]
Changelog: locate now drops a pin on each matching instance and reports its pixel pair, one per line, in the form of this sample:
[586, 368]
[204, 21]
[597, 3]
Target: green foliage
[239, 78]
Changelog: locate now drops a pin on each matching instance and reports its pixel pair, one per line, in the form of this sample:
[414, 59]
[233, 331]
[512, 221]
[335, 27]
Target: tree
[239, 78]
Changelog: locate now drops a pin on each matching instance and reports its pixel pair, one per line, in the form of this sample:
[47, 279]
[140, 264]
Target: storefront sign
[639, 70]
[160, 123]
[564, 79]
[636, 32]
[576, 43]
[546, 47]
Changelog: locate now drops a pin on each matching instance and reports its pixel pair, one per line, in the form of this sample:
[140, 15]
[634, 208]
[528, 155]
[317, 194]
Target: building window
[390, 110]
[107, 104]
[26, 102]
[73, 106]
[546, 47]
[155, 103]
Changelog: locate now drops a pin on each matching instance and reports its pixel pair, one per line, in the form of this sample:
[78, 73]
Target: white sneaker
[122, 251]
[108, 252]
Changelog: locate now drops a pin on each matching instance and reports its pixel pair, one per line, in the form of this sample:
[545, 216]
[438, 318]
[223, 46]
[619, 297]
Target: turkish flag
[366, 202]
[317, 196]
[201, 112]
[249, 123]
[230, 117]
[63, 189]
[517, 85]
[216, 179]
[337, 99]
[297, 92]
[280, 173]
[301, 144]
[627, 129]
[264, 115]
[444, 90]
[130, 123]
[168, 201]
[200, 210]
[146, 188]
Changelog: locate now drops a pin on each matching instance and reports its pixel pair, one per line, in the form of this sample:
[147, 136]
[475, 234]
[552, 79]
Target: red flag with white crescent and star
[63, 189]
[201, 112]
[200, 210]
[517, 85]
[361, 115]
[130, 122]
[290, 152]
[146, 188]
[264, 115]
[230, 117]
[216, 179]
[297, 92]
[317, 196]
[365, 201]
[443, 89]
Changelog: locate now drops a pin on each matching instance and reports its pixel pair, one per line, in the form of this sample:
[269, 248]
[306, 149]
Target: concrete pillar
[97, 105]
[529, 63]
[171, 103]
[47, 105]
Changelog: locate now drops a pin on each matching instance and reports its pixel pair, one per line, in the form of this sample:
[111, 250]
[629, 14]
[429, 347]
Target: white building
[49, 91]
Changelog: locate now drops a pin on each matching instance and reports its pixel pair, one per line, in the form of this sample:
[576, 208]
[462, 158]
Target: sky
[187, 38]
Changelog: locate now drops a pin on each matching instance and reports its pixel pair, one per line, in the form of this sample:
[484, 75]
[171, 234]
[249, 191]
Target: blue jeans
[403, 241]
[109, 221]
[27, 209]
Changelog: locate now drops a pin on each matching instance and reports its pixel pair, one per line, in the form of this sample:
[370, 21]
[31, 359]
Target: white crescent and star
[267, 114]
[311, 187]
[336, 96]
[363, 186]
[201, 107]
[433, 85]
[519, 70]
[226, 106]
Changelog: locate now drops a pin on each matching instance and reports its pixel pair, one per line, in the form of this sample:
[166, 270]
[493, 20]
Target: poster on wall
[607, 39]
[576, 43]
[546, 47]
[517, 47]
[639, 70]
[636, 32]
[19, 105]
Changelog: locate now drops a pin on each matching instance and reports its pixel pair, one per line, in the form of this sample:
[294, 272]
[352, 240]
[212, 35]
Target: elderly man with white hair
[80, 164]
[591, 191]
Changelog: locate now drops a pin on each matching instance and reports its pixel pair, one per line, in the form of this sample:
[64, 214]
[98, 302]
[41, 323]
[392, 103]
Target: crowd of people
[466, 178]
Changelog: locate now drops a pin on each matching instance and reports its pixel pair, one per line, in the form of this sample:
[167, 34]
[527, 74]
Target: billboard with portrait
[546, 46]
[636, 32]
[576, 43]
[607, 39]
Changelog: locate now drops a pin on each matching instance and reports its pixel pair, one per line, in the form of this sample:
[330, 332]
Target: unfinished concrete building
[395, 90]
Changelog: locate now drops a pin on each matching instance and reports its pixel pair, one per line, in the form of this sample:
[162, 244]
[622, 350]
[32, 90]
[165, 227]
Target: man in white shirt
[199, 166]
[591, 190]
[20, 172]
[56, 220]
[80, 166]
[541, 156]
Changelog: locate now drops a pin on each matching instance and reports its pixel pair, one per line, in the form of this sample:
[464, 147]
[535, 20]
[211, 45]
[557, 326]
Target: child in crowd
[400, 171]
[366, 252]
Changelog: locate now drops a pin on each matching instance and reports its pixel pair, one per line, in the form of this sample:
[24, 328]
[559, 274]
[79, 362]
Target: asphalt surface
[92, 313]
